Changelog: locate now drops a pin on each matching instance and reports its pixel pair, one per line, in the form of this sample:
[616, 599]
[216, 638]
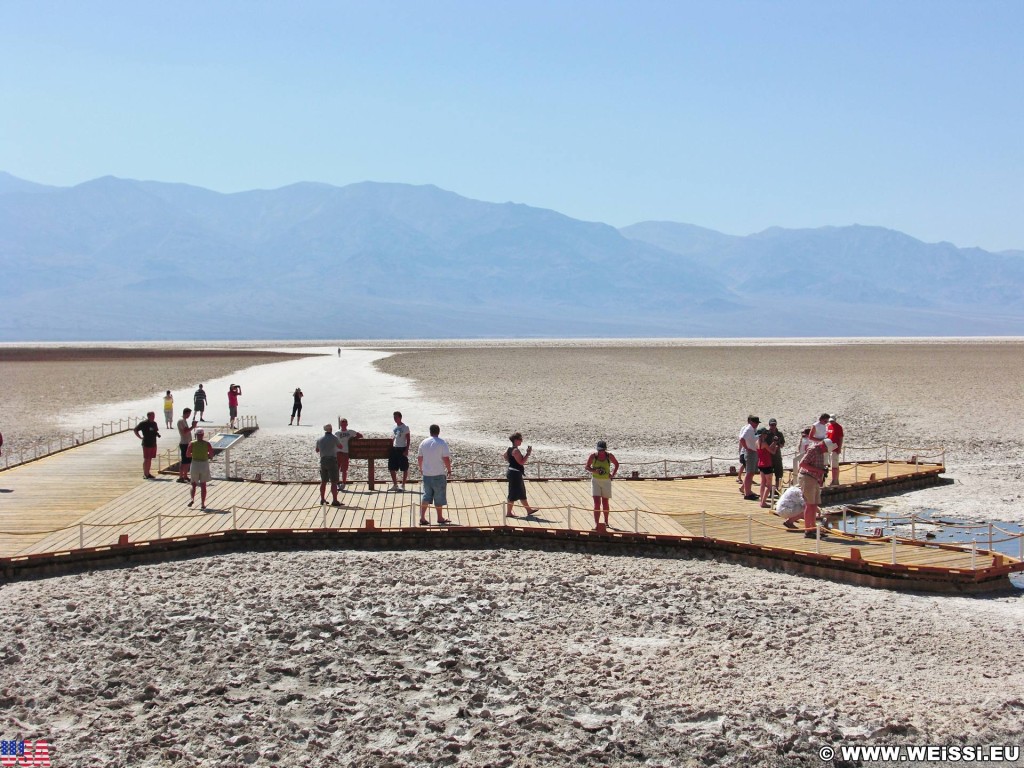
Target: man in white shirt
[398, 459]
[345, 436]
[435, 463]
[748, 447]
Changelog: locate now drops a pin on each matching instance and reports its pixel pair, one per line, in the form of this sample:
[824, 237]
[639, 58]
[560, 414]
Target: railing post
[1020, 547]
[750, 527]
[703, 524]
[279, 470]
[568, 516]
[664, 469]
[712, 466]
[636, 520]
[94, 433]
[844, 519]
[817, 539]
[159, 526]
[855, 473]
[323, 512]
[81, 536]
[913, 526]
[974, 555]
[990, 537]
[893, 549]
[234, 519]
[887, 462]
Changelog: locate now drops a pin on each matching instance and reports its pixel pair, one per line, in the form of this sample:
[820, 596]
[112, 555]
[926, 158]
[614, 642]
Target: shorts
[516, 486]
[342, 461]
[435, 490]
[328, 469]
[811, 489]
[766, 470]
[601, 487]
[833, 458]
[149, 451]
[397, 460]
[200, 472]
[743, 461]
[185, 458]
[751, 461]
[200, 406]
[233, 410]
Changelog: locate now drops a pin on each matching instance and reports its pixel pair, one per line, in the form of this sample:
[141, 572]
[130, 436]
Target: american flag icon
[24, 753]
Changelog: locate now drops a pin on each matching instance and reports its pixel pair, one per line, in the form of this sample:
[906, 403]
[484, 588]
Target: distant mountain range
[121, 259]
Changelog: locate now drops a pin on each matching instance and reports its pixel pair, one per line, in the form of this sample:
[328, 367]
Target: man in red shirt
[834, 432]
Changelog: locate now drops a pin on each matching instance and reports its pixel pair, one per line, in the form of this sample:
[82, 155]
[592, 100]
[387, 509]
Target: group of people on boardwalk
[199, 402]
[760, 451]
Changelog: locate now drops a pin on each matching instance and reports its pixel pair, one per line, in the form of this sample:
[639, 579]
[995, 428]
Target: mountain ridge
[382, 259]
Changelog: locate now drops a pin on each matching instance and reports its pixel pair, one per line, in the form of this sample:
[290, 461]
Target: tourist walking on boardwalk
[233, 392]
[435, 462]
[199, 403]
[296, 407]
[199, 454]
[811, 478]
[398, 458]
[516, 474]
[777, 438]
[327, 446]
[345, 436]
[168, 409]
[148, 431]
[766, 450]
[834, 432]
[602, 466]
[748, 448]
[184, 441]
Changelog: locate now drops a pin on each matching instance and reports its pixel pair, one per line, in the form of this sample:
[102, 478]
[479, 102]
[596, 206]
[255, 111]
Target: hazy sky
[731, 115]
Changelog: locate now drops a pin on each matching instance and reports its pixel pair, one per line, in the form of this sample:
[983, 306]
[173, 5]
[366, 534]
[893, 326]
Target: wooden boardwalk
[94, 497]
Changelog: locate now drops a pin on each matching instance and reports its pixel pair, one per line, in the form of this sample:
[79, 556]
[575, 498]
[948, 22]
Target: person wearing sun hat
[602, 466]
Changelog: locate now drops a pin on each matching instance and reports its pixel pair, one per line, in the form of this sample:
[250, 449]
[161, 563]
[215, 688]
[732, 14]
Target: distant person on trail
[602, 466]
[435, 462]
[748, 448]
[199, 453]
[233, 392]
[184, 441]
[516, 474]
[327, 446]
[398, 458]
[296, 408]
[834, 432]
[345, 437]
[148, 431]
[168, 409]
[199, 403]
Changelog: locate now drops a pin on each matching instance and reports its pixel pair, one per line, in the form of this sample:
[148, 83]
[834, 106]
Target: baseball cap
[772, 421]
[602, 445]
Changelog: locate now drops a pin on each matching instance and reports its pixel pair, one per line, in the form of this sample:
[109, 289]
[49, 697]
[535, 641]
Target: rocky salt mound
[504, 658]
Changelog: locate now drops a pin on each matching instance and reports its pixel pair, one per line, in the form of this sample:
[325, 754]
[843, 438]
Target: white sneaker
[394, 488]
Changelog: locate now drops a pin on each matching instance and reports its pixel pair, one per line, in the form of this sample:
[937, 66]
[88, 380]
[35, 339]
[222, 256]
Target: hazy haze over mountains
[121, 259]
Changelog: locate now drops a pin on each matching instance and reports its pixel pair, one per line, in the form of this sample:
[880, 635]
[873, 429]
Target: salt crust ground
[526, 658]
[497, 658]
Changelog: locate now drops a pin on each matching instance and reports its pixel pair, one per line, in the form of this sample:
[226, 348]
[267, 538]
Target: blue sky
[731, 115]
